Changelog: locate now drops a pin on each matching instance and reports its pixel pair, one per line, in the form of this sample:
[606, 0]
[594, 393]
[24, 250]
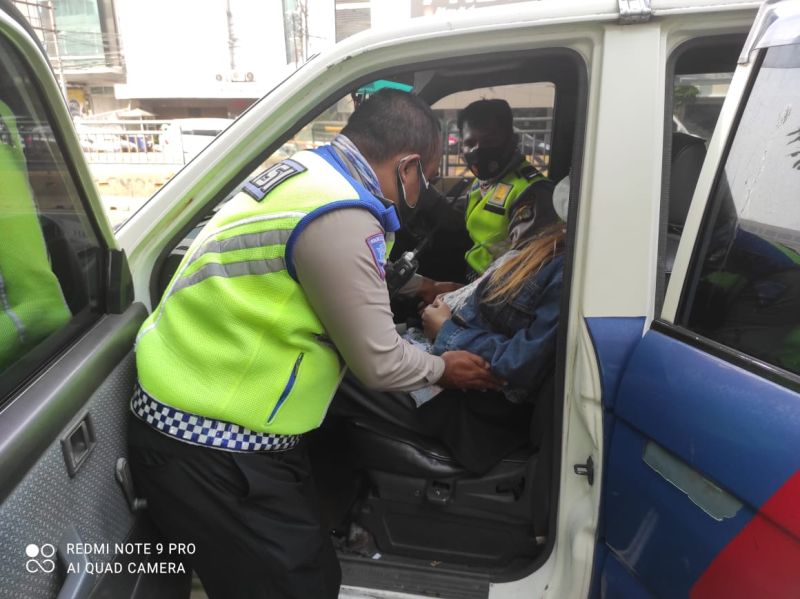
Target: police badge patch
[261, 185]
[377, 246]
[497, 203]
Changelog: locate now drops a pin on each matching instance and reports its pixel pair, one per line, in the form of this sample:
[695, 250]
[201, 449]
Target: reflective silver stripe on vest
[229, 226]
[18, 324]
[244, 242]
[232, 269]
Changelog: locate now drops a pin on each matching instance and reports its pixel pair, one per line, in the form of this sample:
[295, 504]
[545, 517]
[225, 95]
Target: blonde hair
[506, 280]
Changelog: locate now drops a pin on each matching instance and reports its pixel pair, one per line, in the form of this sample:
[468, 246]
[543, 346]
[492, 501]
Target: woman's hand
[433, 317]
[430, 289]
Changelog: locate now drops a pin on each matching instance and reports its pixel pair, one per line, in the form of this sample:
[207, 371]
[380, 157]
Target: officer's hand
[430, 289]
[463, 370]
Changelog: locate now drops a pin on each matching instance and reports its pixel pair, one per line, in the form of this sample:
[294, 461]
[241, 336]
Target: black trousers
[480, 429]
[253, 517]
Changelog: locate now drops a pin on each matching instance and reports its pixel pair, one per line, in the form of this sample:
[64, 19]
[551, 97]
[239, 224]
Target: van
[666, 460]
[182, 139]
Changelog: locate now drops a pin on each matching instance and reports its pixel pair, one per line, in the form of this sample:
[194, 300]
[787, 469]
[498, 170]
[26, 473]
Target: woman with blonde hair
[510, 318]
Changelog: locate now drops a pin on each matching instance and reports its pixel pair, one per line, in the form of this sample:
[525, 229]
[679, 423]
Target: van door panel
[41, 503]
[727, 443]
[719, 418]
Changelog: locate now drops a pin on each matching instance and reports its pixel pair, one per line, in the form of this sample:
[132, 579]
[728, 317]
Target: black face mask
[419, 219]
[487, 163]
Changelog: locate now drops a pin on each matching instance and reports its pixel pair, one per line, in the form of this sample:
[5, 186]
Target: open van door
[702, 462]
[70, 522]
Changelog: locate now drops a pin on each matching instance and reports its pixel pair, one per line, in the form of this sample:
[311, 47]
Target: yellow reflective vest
[32, 304]
[488, 214]
[234, 337]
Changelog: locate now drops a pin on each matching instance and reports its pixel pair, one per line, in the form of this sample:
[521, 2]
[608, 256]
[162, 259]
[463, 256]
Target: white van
[182, 139]
[666, 462]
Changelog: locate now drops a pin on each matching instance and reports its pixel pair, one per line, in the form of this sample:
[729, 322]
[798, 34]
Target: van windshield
[150, 152]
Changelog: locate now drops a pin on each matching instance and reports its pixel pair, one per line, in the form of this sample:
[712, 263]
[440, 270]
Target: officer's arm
[343, 281]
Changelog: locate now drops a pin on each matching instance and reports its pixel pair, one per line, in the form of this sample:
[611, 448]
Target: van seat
[688, 153]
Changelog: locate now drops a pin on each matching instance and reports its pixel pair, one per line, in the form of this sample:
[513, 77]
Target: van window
[317, 133]
[698, 76]
[50, 258]
[531, 104]
[532, 107]
[697, 101]
[744, 288]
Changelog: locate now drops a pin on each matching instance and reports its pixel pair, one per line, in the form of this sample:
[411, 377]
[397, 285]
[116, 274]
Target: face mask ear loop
[424, 184]
[401, 189]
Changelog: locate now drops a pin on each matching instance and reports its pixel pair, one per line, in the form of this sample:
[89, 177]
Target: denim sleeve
[519, 359]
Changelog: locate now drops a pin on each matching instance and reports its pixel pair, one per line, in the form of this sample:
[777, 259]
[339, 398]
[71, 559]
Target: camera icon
[40, 558]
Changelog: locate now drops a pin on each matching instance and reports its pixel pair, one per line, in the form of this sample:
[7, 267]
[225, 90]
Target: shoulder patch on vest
[377, 246]
[522, 212]
[497, 202]
[528, 172]
[262, 184]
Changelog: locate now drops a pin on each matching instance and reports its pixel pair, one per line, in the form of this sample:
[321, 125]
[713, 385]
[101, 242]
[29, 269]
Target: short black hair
[392, 122]
[487, 113]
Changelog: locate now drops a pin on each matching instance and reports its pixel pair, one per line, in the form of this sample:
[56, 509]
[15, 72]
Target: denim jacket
[518, 337]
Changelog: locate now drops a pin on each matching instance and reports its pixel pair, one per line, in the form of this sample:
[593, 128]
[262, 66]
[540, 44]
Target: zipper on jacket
[288, 388]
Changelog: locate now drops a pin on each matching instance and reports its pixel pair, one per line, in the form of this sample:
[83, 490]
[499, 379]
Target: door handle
[77, 444]
[700, 490]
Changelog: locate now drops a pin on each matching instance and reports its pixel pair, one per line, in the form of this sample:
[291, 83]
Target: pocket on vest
[287, 389]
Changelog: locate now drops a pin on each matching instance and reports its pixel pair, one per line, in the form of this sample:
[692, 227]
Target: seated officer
[505, 181]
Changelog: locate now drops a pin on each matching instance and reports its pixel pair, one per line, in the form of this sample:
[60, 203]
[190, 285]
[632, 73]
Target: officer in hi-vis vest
[32, 305]
[281, 292]
[505, 182]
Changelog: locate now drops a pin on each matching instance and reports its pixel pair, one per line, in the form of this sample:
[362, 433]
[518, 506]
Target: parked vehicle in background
[99, 138]
[182, 139]
[152, 141]
[93, 141]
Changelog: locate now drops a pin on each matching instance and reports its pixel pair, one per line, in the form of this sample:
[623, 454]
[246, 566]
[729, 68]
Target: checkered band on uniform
[199, 430]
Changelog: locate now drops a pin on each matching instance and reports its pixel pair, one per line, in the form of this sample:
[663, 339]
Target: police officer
[281, 291]
[505, 182]
[32, 304]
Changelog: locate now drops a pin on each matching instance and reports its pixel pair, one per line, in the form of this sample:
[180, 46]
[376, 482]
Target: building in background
[152, 82]
[426, 8]
[189, 59]
[354, 17]
[82, 42]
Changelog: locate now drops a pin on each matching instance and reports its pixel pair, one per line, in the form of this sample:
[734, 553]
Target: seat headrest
[688, 153]
[561, 198]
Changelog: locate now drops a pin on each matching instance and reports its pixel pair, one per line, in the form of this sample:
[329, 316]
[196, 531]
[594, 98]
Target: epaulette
[259, 186]
[528, 172]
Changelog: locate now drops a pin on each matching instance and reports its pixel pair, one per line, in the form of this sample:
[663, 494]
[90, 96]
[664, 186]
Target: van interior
[432, 526]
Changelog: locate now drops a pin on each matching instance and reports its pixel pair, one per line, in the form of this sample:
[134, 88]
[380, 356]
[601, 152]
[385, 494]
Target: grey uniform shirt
[345, 287]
